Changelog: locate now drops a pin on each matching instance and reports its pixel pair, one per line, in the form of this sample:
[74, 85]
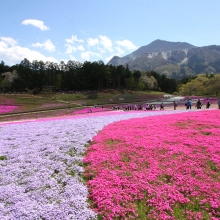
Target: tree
[149, 81]
[201, 85]
[8, 79]
[136, 74]
[130, 83]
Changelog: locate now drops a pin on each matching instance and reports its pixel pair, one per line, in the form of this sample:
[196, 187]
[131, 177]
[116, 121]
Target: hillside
[174, 59]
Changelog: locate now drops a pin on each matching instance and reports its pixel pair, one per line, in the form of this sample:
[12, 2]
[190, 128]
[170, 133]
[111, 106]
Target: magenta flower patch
[7, 106]
[160, 167]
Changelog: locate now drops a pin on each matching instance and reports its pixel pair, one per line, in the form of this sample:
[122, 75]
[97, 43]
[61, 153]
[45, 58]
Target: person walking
[188, 104]
[208, 104]
[174, 105]
[218, 103]
[161, 106]
[147, 107]
[199, 104]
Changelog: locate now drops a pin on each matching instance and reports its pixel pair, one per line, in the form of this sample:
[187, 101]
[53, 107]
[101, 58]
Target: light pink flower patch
[160, 167]
[7, 106]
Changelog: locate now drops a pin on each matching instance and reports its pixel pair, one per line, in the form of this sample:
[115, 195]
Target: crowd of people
[147, 107]
[189, 103]
[199, 104]
[135, 107]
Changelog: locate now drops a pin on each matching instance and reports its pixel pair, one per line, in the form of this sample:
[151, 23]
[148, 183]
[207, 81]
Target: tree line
[37, 76]
[200, 85]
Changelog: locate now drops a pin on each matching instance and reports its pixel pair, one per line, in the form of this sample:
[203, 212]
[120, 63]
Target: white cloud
[127, 44]
[80, 47]
[106, 42]
[100, 49]
[73, 44]
[8, 41]
[3, 46]
[86, 55]
[73, 39]
[36, 23]
[97, 46]
[92, 41]
[119, 51]
[47, 45]
[70, 48]
[13, 54]
[72, 57]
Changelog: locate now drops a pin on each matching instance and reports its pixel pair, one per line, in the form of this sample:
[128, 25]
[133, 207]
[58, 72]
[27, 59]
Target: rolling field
[110, 164]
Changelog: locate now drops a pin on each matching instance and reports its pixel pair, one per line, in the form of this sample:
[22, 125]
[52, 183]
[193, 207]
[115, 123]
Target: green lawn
[110, 97]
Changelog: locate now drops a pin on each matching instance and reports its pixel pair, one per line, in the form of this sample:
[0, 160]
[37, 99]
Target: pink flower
[160, 162]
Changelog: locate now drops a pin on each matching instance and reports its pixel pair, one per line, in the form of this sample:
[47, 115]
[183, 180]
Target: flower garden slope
[41, 166]
[162, 167]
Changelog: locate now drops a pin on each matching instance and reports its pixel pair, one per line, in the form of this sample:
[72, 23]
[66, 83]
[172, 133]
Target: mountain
[174, 59]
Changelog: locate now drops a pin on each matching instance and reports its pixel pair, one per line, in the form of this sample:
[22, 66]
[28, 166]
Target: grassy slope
[66, 102]
[110, 97]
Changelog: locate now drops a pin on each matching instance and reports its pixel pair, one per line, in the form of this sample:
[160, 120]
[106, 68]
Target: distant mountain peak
[162, 46]
[152, 49]
[172, 58]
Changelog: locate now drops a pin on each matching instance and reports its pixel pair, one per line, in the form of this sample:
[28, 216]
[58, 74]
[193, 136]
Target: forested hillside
[203, 84]
[37, 76]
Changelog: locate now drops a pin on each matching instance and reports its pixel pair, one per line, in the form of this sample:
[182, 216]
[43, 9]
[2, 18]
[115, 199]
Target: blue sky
[92, 30]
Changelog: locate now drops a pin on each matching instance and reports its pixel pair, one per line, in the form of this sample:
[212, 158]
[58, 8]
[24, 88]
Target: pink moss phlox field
[41, 165]
[159, 167]
[7, 106]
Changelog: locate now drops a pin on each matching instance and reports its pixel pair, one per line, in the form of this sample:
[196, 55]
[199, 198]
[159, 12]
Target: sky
[93, 30]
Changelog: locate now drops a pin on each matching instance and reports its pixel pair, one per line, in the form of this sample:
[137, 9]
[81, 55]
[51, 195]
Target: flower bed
[162, 167]
[7, 106]
[41, 166]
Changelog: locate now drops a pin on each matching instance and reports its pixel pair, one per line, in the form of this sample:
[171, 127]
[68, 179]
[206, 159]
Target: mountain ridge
[174, 59]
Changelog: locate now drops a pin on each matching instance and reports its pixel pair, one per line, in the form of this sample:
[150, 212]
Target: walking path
[141, 113]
